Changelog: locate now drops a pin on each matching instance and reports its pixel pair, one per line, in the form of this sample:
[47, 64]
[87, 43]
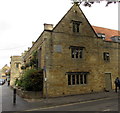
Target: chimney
[48, 26]
[33, 42]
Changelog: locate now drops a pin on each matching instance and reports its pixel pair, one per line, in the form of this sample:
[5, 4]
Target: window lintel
[76, 21]
[76, 47]
[77, 73]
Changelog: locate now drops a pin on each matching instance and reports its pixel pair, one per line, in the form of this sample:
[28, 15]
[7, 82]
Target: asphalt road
[6, 103]
[7, 100]
[108, 104]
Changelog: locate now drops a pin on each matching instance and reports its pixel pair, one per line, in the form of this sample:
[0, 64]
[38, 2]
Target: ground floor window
[77, 78]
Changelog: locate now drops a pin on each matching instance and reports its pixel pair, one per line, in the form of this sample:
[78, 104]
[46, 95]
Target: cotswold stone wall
[29, 94]
[92, 62]
[56, 60]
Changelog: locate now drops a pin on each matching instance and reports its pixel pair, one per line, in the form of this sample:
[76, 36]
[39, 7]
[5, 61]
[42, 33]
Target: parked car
[4, 77]
[2, 81]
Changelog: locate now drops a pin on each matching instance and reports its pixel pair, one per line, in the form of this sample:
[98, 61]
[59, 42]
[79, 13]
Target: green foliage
[18, 83]
[23, 67]
[32, 80]
[27, 65]
[33, 61]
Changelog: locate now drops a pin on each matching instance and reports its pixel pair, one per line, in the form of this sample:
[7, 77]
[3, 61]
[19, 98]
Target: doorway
[108, 82]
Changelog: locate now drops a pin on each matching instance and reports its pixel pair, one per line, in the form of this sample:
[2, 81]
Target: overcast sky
[21, 21]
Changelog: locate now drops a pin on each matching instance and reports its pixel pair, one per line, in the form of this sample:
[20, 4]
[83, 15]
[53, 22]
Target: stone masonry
[66, 75]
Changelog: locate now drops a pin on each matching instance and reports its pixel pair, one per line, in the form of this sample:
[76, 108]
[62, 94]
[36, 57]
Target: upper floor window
[77, 52]
[76, 26]
[106, 56]
[17, 65]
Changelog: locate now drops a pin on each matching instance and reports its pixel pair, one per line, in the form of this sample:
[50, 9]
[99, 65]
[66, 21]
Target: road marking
[68, 104]
[106, 110]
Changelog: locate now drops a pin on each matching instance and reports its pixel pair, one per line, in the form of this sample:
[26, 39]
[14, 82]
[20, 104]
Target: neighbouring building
[15, 64]
[76, 57]
[4, 70]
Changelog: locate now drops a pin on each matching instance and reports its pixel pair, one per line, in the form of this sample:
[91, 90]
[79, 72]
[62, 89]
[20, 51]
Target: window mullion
[83, 79]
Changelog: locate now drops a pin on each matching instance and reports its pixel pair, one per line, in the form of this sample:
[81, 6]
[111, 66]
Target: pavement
[73, 99]
[31, 104]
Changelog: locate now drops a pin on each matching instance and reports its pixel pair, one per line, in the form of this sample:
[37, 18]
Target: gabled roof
[75, 14]
[108, 32]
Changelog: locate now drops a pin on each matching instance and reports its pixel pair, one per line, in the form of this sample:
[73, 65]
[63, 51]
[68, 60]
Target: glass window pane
[73, 79]
[73, 53]
[17, 65]
[85, 79]
[77, 79]
[74, 27]
[76, 53]
[77, 27]
[81, 53]
[69, 79]
[81, 79]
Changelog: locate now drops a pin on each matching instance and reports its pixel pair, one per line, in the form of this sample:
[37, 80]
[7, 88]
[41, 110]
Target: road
[7, 100]
[6, 103]
[108, 104]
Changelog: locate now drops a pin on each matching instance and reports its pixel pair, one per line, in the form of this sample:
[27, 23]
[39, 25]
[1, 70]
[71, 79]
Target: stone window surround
[76, 26]
[17, 64]
[77, 78]
[77, 52]
[106, 56]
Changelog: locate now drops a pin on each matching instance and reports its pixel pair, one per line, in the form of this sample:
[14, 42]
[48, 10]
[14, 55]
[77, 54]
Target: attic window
[117, 37]
[101, 35]
[76, 26]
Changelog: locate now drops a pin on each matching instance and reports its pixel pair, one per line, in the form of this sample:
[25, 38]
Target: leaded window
[106, 56]
[77, 52]
[76, 26]
[77, 78]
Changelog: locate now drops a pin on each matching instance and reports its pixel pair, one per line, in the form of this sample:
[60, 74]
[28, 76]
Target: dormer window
[76, 26]
[101, 35]
[119, 38]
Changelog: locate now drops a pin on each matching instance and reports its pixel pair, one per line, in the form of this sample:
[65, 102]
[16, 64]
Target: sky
[21, 21]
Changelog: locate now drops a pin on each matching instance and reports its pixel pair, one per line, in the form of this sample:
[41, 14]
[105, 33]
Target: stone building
[4, 71]
[15, 65]
[76, 57]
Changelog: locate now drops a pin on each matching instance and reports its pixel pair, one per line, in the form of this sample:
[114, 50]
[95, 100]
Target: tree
[90, 2]
[31, 80]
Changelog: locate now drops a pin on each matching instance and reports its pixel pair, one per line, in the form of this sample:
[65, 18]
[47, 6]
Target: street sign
[45, 79]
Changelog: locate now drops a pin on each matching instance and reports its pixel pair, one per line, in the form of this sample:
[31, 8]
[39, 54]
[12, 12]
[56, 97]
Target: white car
[2, 81]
